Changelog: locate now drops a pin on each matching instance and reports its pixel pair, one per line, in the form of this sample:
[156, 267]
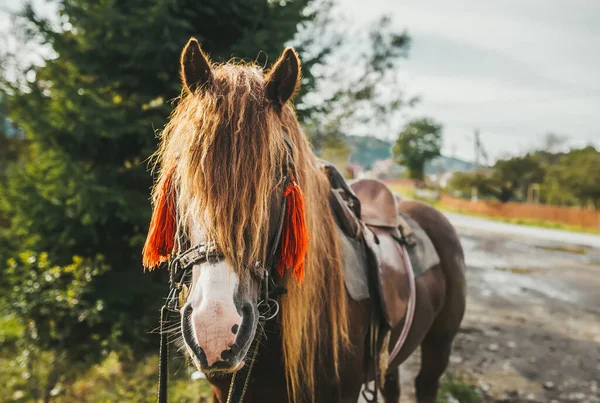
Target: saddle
[387, 245]
[367, 211]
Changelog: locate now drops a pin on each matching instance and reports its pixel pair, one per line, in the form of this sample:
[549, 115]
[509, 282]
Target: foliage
[419, 142]
[82, 189]
[507, 180]
[355, 72]
[512, 177]
[578, 173]
[123, 379]
[564, 178]
[115, 379]
[11, 145]
[50, 303]
[76, 196]
[456, 388]
[462, 183]
[89, 112]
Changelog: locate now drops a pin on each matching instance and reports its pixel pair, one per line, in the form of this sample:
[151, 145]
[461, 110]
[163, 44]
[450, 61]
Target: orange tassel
[161, 235]
[295, 237]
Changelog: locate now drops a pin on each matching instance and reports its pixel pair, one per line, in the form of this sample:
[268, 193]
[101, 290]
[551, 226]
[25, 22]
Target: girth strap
[410, 312]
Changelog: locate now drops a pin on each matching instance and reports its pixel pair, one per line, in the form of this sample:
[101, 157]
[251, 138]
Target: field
[454, 205]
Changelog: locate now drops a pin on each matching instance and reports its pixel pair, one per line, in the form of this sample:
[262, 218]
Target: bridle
[208, 252]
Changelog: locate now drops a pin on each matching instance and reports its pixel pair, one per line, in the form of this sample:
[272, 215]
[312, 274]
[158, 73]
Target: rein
[268, 306]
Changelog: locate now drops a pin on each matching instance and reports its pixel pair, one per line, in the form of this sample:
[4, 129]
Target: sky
[514, 69]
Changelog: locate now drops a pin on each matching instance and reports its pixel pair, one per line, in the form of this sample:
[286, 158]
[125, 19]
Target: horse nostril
[227, 355]
[234, 329]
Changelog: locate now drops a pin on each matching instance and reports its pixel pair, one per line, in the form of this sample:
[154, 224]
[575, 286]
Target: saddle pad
[355, 267]
[421, 252]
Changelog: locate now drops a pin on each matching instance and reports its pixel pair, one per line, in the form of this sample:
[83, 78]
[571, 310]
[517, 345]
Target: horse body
[440, 297]
[232, 151]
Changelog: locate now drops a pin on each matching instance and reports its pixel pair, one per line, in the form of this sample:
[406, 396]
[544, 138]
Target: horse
[241, 188]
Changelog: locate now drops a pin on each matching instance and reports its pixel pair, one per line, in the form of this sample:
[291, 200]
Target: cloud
[514, 69]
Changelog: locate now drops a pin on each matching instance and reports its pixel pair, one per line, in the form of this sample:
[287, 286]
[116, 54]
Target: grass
[519, 270]
[407, 191]
[115, 379]
[576, 250]
[10, 329]
[126, 380]
[454, 388]
[527, 222]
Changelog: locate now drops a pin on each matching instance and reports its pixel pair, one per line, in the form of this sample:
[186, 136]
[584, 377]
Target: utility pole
[476, 144]
[479, 151]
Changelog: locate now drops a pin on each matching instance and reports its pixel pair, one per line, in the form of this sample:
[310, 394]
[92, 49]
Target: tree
[356, 85]
[88, 113]
[50, 304]
[11, 145]
[578, 173]
[512, 177]
[507, 180]
[462, 183]
[419, 142]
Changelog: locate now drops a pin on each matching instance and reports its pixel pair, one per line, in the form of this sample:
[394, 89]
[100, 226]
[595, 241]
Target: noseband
[208, 252]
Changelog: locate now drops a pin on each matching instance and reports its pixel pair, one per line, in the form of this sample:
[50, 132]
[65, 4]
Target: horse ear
[195, 67]
[283, 80]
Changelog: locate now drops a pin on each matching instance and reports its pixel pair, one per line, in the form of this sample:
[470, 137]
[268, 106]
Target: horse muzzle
[218, 340]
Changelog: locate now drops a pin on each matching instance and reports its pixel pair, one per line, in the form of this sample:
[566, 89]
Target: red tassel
[295, 237]
[161, 235]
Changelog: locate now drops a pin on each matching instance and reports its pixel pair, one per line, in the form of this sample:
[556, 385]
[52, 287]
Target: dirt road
[532, 327]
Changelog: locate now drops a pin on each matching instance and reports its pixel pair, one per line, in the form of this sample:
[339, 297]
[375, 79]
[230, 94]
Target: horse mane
[225, 145]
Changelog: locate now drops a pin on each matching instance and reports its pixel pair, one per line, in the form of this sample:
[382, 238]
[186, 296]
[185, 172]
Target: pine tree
[76, 206]
[89, 116]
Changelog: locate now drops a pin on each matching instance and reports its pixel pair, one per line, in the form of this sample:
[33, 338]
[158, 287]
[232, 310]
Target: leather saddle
[367, 210]
[386, 242]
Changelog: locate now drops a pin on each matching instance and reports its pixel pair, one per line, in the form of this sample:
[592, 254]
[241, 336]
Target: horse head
[239, 191]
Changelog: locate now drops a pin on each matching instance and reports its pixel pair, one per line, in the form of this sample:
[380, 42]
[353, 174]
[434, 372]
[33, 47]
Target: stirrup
[370, 395]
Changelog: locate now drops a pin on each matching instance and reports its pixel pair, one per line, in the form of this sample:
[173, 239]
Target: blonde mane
[226, 145]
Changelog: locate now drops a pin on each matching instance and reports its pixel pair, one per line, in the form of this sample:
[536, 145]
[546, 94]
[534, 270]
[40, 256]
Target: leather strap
[410, 310]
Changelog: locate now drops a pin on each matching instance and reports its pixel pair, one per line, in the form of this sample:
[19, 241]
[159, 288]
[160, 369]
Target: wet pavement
[531, 264]
[524, 231]
[532, 327]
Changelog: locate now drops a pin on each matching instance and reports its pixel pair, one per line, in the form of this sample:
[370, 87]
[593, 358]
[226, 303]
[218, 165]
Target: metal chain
[230, 397]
